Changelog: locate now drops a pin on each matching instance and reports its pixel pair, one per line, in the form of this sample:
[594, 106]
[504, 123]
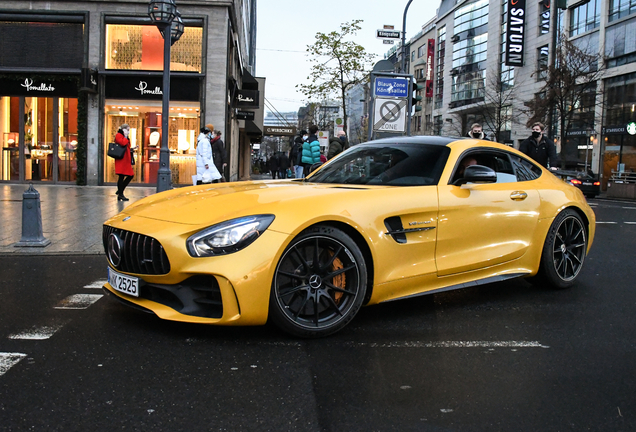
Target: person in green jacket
[311, 150]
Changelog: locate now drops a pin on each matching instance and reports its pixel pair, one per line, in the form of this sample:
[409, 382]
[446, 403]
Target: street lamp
[162, 13]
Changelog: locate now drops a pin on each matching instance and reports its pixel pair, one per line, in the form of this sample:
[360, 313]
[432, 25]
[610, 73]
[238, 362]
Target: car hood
[206, 204]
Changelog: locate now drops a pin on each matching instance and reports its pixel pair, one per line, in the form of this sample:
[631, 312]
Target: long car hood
[206, 204]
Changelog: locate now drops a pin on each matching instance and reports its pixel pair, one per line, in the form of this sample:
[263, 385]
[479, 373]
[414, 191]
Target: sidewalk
[72, 217]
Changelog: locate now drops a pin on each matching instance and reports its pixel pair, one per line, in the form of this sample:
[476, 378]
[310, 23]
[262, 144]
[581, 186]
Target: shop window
[135, 47]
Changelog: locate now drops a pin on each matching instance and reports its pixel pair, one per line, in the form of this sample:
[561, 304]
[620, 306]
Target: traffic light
[416, 97]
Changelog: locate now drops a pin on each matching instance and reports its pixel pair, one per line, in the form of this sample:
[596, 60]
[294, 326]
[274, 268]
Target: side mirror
[477, 174]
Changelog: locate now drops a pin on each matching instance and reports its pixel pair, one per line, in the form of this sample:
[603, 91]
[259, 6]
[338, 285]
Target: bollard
[32, 235]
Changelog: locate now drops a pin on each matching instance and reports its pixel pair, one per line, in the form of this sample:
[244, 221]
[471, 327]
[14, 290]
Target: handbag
[116, 151]
[132, 157]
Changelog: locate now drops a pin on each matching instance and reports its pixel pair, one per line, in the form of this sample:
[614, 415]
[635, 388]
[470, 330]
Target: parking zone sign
[389, 115]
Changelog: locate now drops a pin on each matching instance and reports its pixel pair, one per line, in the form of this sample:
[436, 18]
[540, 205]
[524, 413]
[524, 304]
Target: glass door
[10, 136]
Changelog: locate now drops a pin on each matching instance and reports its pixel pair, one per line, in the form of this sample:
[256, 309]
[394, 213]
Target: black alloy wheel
[319, 283]
[564, 250]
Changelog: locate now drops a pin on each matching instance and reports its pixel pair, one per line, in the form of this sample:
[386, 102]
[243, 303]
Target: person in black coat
[539, 148]
[218, 155]
[295, 154]
[283, 165]
[274, 164]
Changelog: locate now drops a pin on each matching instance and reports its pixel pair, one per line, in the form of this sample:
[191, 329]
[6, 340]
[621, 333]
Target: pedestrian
[206, 170]
[539, 148]
[219, 155]
[311, 150]
[336, 145]
[296, 153]
[123, 166]
[476, 132]
[274, 165]
[283, 165]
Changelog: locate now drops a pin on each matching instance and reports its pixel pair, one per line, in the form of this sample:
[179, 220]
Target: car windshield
[396, 164]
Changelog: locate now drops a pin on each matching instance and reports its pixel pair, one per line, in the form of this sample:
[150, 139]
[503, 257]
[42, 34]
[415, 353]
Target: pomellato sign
[247, 99]
[30, 87]
[515, 32]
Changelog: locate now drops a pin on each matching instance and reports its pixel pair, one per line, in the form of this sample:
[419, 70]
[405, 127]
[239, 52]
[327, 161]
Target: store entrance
[144, 119]
[39, 139]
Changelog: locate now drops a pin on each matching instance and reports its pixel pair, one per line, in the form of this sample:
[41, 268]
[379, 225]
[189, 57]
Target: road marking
[98, 284]
[78, 301]
[457, 344]
[37, 333]
[630, 223]
[610, 223]
[8, 360]
[630, 208]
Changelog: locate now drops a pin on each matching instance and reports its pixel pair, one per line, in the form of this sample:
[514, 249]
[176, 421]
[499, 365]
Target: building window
[421, 50]
[469, 54]
[438, 124]
[621, 8]
[441, 52]
[544, 17]
[542, 63]
[137, 47]
[585, 17]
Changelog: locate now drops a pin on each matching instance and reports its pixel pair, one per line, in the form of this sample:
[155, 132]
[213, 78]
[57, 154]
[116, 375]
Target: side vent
[395, 229]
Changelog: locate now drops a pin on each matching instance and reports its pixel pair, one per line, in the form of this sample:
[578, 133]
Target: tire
[319, 283]
[563, 252]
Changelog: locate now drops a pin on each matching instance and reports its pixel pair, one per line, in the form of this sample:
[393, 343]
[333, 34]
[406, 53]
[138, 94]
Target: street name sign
[387, 34]
[391, 87]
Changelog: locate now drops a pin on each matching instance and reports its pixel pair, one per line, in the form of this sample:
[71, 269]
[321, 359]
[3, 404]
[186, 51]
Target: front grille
[140, 254]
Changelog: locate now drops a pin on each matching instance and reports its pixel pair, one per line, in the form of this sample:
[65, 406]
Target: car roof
[419, 139]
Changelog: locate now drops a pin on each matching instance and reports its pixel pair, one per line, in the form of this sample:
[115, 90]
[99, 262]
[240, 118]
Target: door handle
[518, 196]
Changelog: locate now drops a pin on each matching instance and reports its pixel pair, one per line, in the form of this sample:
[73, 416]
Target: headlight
[228, 237]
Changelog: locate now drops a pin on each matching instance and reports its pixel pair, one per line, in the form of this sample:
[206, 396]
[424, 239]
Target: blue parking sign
[392, 87]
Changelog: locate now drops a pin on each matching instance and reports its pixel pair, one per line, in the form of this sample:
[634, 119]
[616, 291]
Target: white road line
[7, 360]
[630, 223]
[630, 208]
[78, 301]
[98, 284]
[458, 344]
[37, 333]
[610, 223]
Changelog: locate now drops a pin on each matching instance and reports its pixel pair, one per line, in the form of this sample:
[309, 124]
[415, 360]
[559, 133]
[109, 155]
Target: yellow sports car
[385, 220]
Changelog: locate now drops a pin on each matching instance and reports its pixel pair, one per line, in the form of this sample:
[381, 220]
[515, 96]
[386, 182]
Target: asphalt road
[501, 357]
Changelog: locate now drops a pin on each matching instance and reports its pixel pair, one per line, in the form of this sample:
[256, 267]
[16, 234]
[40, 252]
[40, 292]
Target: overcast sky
[286, 27]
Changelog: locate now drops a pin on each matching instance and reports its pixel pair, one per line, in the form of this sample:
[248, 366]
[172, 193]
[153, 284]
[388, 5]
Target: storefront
[619, 131]
[38, 128]
[132, 83]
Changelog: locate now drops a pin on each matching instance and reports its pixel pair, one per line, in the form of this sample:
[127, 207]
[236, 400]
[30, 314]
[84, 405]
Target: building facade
[72, 72]
[474, 82]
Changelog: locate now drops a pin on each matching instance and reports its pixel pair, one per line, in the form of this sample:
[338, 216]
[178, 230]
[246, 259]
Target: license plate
[587, 184]
[122, 283]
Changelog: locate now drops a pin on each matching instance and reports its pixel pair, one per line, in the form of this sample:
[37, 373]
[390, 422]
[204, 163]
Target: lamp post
[404, 52]
[163, 14]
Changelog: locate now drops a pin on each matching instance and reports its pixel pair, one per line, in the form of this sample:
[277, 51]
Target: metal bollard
[32, 235]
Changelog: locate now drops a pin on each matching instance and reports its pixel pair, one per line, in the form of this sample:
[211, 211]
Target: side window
[499, 162]
[524, 169]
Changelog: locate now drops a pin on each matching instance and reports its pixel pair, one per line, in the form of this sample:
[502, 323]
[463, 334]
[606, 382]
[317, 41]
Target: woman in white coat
[206, 171]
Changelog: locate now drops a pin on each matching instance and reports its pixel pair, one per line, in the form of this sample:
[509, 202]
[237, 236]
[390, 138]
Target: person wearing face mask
[476, 132]
[123, 166]
[539, 148]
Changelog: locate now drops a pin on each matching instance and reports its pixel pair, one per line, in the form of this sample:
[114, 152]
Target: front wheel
[564, 251]
[319, 283]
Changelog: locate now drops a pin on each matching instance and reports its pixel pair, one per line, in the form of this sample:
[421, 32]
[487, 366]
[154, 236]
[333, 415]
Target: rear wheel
[563, 252]
[319, 283]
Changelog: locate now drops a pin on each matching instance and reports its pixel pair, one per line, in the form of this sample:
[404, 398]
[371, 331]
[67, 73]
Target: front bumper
[230, 289]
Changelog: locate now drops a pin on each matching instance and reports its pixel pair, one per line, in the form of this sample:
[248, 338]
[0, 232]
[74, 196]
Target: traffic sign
[391, 87]
[389, 115]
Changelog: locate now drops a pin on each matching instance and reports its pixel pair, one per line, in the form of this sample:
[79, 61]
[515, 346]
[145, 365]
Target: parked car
[587, 183]
[382, 221]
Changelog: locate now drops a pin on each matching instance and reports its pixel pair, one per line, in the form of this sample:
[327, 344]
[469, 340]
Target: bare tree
[337, 66]
[496, 108]
[570, 89]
